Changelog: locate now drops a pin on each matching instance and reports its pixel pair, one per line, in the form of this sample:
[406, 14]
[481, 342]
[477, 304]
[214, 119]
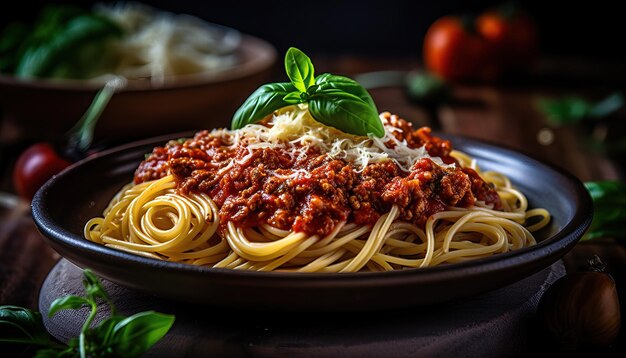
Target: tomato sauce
[312, 193]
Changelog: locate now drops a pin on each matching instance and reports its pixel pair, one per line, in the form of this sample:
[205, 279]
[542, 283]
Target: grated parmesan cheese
[295, 129]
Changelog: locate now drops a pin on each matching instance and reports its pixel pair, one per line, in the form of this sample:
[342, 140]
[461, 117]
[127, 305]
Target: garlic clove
[581, 310]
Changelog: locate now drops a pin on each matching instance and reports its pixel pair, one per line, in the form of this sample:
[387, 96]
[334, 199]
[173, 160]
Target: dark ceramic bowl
[65, 203]
[184, 102]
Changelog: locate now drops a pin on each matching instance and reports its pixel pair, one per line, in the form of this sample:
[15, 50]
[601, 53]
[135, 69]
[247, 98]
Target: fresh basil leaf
[136, 334]
[73, 343]
[262, 102]
[328, 81]
[18, 38]
[12, 39]
[55, 353]
[299, 69]
[22, 326]
[63, 52]
[607, 191]
[609, 205]
[616, 232]
[294, 98]
[426, 87]
[565, 110]
[312, 89]
[606, 219]
[93, 286]
[103, 333]
[116, 336]
[333, 85]
[333, 100]
[607, 106]
[48, 353]
[346, 112]
[53, 17]
[571, 109]
[52, 20]
[67, 302]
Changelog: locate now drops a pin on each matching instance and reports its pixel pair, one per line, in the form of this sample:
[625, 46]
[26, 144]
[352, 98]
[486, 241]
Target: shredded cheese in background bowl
[159, 44]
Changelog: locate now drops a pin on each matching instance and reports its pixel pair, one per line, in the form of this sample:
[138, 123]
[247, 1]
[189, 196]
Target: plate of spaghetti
[310, 202]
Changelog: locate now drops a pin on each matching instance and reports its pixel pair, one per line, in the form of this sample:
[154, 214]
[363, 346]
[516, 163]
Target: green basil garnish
[299, 69]
[134, 335]
[265, 100]
[344, 111]
[335, 101]
[19, 325]
[116, 336]
[327, 81]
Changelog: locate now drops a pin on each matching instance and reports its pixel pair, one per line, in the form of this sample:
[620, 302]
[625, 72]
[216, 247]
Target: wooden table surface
[504, 113]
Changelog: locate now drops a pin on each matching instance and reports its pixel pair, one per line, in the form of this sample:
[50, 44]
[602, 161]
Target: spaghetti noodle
[291, 194]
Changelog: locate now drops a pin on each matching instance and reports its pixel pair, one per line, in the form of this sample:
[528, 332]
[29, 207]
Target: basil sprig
[335, 101]
[116, 336]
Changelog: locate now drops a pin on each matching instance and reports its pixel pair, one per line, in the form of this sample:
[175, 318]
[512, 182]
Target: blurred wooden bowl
[46, 109]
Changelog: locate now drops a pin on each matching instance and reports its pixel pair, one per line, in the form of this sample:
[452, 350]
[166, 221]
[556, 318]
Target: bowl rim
[566, 237]
[258, 53]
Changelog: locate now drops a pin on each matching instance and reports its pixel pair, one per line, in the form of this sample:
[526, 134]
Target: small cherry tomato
[453, 51]
[34, 167]
[513, 36]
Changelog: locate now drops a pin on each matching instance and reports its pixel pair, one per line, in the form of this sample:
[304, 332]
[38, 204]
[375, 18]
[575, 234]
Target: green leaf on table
[55, 353]
[93, 286]
[103, 333]
[66, 303]
[134, 335]
[609, 205]
[116, 336]
[22, 326]
[572, 109]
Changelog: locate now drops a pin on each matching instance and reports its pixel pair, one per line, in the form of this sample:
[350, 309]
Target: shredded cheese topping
[293, 128]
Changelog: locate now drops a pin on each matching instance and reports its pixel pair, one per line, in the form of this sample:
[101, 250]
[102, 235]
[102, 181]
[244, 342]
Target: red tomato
[454, 52]
[34, 167]
[513, 37]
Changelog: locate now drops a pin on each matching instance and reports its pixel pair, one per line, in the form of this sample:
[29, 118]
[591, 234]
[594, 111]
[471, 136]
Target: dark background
[589, 29]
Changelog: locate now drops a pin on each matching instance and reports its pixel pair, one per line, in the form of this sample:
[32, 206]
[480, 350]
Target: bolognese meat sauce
[313, 193]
